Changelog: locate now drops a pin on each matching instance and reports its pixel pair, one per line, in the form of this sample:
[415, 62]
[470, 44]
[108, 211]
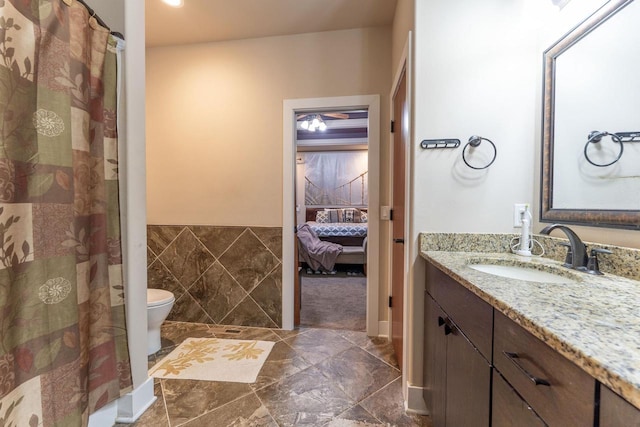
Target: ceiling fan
[313, 121]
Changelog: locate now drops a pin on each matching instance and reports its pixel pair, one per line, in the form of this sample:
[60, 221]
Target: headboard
[311, 212]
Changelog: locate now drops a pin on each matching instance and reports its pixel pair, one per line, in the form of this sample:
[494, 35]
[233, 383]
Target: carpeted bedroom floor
[334, 302]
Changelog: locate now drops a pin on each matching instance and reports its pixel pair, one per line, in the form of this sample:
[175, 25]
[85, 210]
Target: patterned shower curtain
[63, 343]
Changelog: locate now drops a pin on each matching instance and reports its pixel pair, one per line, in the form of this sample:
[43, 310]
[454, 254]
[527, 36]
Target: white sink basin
[521, 273]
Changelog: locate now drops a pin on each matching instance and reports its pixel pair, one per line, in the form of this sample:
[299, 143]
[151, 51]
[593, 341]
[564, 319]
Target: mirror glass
[592, 82]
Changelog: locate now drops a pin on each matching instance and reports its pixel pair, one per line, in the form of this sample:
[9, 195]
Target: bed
[344, 233]
[351, 235]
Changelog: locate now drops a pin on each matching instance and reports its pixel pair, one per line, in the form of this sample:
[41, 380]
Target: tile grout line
[164, 403]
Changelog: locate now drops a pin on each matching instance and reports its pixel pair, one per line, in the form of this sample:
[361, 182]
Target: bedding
[344, 229]
[315, 252]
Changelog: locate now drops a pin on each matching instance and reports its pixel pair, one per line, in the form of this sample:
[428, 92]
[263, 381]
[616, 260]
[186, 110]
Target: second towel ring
[594, 138]
[474, 141]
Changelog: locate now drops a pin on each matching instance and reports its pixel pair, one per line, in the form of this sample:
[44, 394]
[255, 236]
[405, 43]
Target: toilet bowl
[159, 303]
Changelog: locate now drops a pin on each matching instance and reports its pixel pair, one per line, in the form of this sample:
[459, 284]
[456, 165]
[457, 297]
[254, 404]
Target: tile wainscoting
[219, 275]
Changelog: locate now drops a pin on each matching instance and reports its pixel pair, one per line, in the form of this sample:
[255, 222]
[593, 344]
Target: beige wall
[484, 84]
[403, 22]
[214, 118]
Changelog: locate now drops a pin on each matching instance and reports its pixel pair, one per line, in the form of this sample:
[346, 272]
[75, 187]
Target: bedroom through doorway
[331, 200]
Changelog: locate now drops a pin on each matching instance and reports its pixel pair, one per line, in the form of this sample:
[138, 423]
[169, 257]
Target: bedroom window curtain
[63, 341]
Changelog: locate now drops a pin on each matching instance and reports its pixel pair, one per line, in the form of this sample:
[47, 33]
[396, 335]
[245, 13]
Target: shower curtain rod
[100, 21]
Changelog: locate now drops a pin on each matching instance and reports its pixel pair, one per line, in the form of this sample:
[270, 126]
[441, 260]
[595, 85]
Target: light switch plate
[385, 212]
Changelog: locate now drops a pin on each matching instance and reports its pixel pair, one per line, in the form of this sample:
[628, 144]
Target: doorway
[332, 217]
[291, 108]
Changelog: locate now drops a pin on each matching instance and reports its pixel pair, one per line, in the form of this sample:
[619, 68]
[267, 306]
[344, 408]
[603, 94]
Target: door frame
[289, 108]
[404, 65]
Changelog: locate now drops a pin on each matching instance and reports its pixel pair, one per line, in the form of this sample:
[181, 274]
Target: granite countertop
[594, 321]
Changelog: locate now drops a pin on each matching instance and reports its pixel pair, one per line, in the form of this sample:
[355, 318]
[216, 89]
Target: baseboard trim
[133, 404]
[383, 328]
[415, 402]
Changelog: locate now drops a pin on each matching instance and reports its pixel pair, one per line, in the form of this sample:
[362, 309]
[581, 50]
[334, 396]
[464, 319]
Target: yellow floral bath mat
[212, 359]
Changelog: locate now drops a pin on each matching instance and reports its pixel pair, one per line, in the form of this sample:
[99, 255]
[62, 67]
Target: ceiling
[346, 130]
[217, 20]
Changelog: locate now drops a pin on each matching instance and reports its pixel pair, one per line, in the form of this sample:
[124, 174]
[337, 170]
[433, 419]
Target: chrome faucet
[578, 249]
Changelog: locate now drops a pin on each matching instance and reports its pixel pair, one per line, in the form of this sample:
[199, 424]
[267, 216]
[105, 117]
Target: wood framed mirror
[591, 83]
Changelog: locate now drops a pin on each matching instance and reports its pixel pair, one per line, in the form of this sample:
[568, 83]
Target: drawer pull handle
[447, 327]
[537, 381]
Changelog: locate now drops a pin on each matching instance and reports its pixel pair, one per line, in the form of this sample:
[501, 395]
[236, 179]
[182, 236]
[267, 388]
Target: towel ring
[594, 138]
[474, 141]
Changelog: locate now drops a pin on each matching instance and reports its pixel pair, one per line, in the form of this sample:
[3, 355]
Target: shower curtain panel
[63, 343]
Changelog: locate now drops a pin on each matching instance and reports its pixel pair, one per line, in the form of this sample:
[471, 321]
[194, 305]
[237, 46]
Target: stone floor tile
[305, 398]
[318, 344]
[355, 417]
[284, 334]
[189, 399]
[246, 411]
[387, 406]
[383, 350]
[356, 337]
[174, 333]
[283, 361]
[357, 372]
[244, 333]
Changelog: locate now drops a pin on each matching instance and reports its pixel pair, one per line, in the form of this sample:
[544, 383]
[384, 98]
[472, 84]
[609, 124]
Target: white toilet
[159, 303]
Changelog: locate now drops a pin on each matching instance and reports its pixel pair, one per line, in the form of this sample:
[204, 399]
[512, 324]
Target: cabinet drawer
[467, 310]
[617, 412]
[508, 408]
[568, 397]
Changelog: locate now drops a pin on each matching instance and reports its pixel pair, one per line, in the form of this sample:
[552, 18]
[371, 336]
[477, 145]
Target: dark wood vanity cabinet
[615, 411]
[483, 369]
[457, 375]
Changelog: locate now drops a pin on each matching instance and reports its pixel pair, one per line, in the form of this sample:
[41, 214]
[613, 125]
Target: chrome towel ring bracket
[618, 137]
[475, 141]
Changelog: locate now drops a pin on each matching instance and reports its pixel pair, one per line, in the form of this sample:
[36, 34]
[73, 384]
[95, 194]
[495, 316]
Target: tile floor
[313, 377]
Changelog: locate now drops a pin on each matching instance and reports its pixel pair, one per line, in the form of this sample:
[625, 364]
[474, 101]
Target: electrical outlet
[518, 210]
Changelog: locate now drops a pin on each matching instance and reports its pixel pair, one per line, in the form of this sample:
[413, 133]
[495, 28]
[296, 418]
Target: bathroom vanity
[500, 351]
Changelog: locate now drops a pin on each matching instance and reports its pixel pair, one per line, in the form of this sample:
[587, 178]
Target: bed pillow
[335, 215]
[363, 216]
[348, 215]
[322, 217]
[352, 215]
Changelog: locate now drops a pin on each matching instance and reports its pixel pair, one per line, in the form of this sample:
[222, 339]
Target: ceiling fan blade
[337, 115]
[301, 116]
